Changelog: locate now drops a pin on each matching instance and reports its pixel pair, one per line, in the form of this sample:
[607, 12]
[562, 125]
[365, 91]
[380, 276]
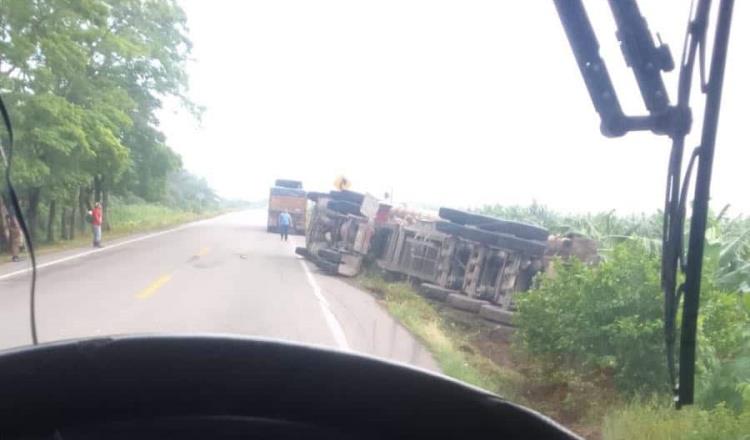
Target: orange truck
[287, 195]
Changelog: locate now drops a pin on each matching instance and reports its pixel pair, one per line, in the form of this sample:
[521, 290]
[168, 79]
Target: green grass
[126, 220]
[659, 421]
[451, 350]
[140, 217]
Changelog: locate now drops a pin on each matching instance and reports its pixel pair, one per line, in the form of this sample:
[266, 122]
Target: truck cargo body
[292, 200]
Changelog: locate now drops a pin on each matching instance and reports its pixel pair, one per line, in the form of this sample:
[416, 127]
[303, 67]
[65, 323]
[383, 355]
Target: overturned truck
[484, 257]
[472, 259]
[339, 232]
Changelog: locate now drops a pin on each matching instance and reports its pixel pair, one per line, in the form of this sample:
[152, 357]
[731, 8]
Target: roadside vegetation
[451, 348]
[589, 345]
[83, 86]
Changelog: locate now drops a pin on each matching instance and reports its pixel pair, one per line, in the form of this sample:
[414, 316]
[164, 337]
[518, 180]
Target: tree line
[83, 81]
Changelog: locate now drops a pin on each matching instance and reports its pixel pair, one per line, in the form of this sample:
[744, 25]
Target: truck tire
[348, 196]
[462, 217]
[469, 233]
[435, 292]
[315, 195]
[302, 251]
[490, 238]
[343, 207]
[330, 255]
[463, 302]
[521, 230]
[496, 314]
[328, 267]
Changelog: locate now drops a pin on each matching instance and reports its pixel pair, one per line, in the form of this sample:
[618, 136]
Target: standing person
[14, 236]
[96, 224]
[285, 221]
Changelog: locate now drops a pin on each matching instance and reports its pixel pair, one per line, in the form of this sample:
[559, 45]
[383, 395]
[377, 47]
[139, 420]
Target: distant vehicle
[287, 195]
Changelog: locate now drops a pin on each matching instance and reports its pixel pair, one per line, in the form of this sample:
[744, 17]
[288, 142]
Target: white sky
[456, 103]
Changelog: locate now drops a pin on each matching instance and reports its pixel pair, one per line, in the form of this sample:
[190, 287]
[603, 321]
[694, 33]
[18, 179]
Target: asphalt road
[223, 275]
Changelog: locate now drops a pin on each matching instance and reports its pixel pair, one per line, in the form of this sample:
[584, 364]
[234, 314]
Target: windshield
[420, 181]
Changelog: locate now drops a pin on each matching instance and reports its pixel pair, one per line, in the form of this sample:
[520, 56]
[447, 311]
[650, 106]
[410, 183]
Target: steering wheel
[232, 387]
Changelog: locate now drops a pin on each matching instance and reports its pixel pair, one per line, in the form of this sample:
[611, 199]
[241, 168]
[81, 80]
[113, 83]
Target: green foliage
[724, 320]
[603, 319]
[725, 380]
[84, 81]
[607, 320]
[728, 247]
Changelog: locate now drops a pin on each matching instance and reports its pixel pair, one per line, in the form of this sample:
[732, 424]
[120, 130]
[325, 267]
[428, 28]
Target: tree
[84, 81]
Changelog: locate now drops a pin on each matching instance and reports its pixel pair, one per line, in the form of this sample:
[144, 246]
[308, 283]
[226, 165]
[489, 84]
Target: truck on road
[287, 195]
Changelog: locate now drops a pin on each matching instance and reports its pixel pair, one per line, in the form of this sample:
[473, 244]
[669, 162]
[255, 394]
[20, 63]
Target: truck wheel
[328, 267]
[469, 233]
[330, 255]
[302, 251]
[315, 195]
[522, 230]
[460, 217]
[348, 196]
[343, 207]
[489, 238]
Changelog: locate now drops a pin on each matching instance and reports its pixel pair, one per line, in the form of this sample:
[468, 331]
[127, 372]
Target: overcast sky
[456, 103]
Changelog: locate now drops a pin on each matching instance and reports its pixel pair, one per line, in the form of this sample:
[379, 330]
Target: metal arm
[645, 58]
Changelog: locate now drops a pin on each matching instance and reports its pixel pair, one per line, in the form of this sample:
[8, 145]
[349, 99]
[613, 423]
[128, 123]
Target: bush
[607, 320]
[725, 381]
[724, 319]
[600, 320]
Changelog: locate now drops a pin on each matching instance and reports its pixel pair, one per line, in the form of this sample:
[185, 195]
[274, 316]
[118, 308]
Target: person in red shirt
[96, 224]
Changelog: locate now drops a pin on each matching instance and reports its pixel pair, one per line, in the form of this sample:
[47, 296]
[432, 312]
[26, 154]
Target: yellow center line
[153, 287]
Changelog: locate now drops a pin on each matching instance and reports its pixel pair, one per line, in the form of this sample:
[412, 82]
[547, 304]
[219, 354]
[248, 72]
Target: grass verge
[451, 348]
[140, 217]
[126, 220]
[660, 421]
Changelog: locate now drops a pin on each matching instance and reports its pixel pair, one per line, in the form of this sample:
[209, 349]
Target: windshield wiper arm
[648, 60]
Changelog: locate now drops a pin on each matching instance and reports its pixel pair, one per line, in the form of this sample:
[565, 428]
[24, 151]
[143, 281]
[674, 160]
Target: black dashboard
[230, 387]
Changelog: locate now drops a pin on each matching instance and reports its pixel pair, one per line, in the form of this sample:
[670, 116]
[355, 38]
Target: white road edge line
[104, 249]
[333, 324]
